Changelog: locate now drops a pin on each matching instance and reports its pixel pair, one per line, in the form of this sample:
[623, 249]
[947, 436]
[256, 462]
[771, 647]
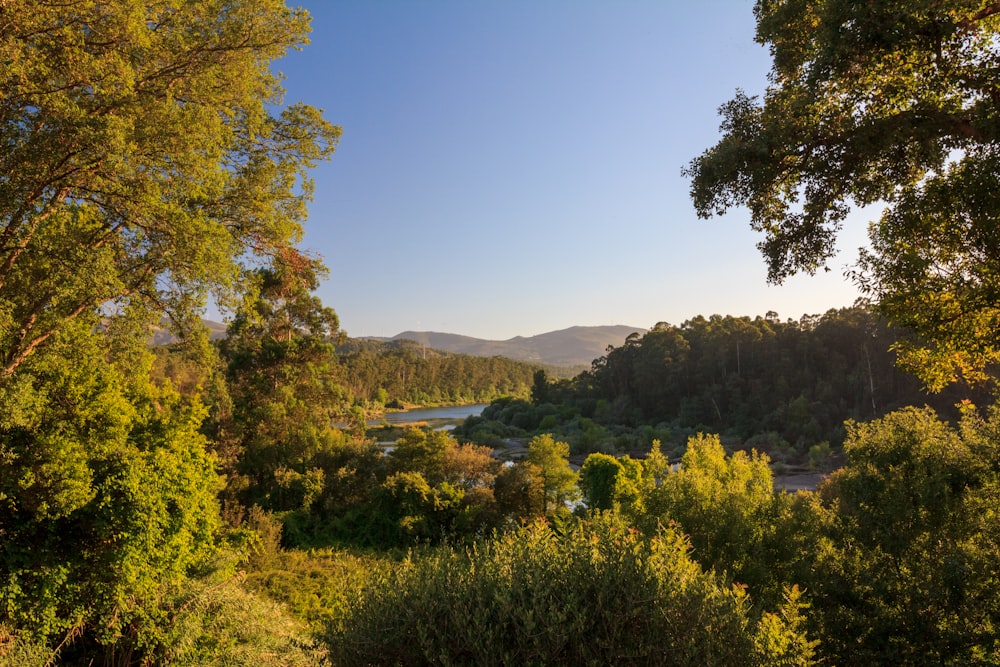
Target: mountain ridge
[575, 346]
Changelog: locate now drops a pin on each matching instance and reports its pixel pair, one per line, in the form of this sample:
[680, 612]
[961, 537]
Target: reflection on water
[451, 413]
[440, 419]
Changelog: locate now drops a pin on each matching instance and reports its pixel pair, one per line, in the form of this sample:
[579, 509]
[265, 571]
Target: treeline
[781, 387]
[403, 371]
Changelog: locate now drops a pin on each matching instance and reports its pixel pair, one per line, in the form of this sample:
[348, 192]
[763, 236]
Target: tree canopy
[872, 102]
[141, 162]
[145, 159]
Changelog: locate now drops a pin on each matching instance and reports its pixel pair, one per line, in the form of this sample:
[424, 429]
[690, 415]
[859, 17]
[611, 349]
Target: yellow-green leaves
[558, 478]
[598, 594]
[150, 120]
[907, 569]
[106, 489]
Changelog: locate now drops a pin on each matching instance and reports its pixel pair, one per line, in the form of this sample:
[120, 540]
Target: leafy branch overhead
[877, 102]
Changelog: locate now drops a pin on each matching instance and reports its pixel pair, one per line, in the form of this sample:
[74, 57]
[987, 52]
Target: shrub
[598, 594]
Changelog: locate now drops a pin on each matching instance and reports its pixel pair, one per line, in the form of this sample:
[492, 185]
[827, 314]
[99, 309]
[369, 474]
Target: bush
[17, 650]
[598, 594]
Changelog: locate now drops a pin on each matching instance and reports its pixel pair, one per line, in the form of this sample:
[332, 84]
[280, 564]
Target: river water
[452, 414]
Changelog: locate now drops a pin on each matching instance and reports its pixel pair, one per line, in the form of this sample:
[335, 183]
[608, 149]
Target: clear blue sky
[514, 167]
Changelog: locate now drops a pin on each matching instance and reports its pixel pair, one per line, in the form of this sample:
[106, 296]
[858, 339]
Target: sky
[513, 167]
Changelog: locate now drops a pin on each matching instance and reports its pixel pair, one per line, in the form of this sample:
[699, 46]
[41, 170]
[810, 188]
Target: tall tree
[141, 162]
[141, 165]
[877, 101]
[283, 382]
[558, 478]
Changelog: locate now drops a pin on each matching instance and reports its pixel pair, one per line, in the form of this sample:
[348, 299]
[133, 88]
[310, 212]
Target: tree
[558, 478]
[597, 480]
[608, 482]
[285, 390]
[279, 302]
[519, 492]
[905, 571]
[141, 167]
[107, 493]
[877, 102]
[141, 163]
[540, 388]
[423, 451]
[724, 503]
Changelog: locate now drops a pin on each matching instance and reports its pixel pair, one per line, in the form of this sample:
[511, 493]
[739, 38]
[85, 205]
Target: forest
[403, 372]
[783, 388]
[225, 502]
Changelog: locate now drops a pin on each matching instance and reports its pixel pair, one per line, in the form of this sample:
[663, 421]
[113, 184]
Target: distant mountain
[570, 349]
[575, 347]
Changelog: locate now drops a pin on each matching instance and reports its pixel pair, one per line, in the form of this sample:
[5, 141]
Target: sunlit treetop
[145, 156]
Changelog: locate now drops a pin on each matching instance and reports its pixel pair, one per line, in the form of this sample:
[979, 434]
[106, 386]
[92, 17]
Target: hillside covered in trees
[781, 387]
[567, 351]
[405, 372]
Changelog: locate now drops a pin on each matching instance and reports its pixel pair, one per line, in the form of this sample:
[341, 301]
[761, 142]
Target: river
[444, 417]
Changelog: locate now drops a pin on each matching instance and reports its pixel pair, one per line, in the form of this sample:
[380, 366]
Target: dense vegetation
[784, 388]
[405, 372]
[199, 506]
[122, 542]
[883, 102]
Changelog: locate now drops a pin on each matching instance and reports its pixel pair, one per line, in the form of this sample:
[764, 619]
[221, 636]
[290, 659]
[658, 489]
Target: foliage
[607, 482]
[907, 570]
[107, 492]
[600, 594]
[932, 268]
[868, 102]
[217, 621]
[721, 502]
[403, 371]
[429, 489]
[142, 164]
[779, 387]
[897, 550]
[738, 526]
[17, 650]
[437, 489]
[519, 492]
[598, 478]
[146, 160]
[551, 457]
[283, 393]
[317, 586]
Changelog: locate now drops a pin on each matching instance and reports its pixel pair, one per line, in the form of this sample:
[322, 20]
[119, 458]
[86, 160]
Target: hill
[575, 347]
[571, 350]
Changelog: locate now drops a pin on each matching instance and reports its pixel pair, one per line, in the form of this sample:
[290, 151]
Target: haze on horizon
[513, 168]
